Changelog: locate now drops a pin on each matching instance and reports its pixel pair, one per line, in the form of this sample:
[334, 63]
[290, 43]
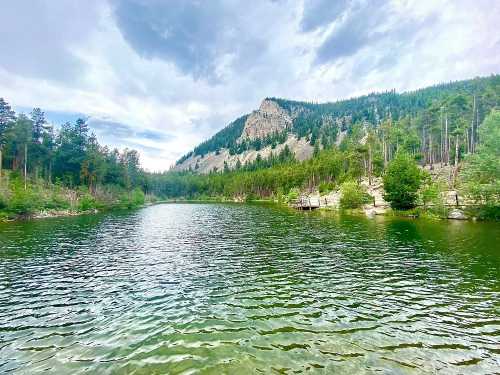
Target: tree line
[352, 139]
[71, 155]
[444, 120]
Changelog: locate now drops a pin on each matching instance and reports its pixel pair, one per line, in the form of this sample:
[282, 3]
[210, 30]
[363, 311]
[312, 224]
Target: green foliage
[56, 201]
[133, 199]
[293, 195]
[481, 172]
[23, 202]
[430, 193]
[326, 187]
[375, 128]
[489, 212]
[137, 198]
[86, 202]
[4, 200]
[251, 197]
[409, 113]
[402, 181]
[352, 195]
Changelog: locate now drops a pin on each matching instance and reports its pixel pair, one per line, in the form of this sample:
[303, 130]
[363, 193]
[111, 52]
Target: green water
[244, 289]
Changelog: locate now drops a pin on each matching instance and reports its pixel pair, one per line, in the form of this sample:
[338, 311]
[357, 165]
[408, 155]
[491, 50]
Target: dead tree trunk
[455, 169]
[431, 161]
[472, 125]
[447, 140]
[369, 164]
[25, 166]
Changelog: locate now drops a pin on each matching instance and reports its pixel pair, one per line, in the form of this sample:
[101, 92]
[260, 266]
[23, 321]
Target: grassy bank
[38, 198]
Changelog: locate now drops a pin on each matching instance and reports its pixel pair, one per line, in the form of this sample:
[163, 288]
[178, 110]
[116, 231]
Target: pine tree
[7, 116]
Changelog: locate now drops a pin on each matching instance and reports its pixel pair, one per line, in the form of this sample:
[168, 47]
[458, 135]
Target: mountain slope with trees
[448, 130]
[435, 124]
[423, 145]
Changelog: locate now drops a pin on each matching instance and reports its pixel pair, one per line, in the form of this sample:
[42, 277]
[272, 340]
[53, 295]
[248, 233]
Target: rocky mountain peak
[268, 119]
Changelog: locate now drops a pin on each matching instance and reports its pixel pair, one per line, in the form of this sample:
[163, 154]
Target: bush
[251, 197]
[326, 187]
[352, 195]
[86, 202]
[133, 199]
[489, 212]
[402, 181]
[56, 201]
[137, 198]
[23, 202]
[430, 193]
[481, 172]
[4, 202]
[293, 195]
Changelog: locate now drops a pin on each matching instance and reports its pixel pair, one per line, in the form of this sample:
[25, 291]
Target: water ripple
[247, 289]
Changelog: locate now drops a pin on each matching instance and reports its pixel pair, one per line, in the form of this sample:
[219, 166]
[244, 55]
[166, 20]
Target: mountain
[299, 127]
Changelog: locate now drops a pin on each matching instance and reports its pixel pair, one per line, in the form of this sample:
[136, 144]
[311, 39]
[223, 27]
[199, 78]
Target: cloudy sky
[161, 76]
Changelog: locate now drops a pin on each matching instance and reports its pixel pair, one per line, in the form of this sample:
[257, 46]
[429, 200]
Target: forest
[455, 125]
[41, 167]
[436, 127]
[428, 109]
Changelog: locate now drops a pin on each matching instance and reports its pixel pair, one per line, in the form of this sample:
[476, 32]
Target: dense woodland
[436, 126]
[436, 115]
[71, 156]
[35, 159]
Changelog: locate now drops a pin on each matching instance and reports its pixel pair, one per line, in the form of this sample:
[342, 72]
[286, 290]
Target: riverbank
[38, 199]
[469, 213]
[380, 208]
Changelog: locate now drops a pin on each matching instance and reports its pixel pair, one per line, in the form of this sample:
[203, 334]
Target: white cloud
[261, 50]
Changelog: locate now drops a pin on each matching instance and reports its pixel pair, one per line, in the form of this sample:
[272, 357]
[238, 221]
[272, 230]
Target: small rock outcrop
[457, 214]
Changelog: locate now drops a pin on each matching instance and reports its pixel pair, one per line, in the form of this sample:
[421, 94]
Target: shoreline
[461, 213]
[419, 212]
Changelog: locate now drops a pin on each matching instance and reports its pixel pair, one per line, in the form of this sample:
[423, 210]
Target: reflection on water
[247, 289]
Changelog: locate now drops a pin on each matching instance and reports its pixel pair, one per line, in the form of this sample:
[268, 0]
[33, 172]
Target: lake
[244, 289]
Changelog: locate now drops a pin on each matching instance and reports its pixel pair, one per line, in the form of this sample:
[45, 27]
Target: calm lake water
[244, 289]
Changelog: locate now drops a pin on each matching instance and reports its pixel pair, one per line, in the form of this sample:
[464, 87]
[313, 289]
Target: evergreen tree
[7, 116]
[402, 181]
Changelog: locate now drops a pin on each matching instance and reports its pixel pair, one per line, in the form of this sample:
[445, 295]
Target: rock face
[300, 147]
[268, 119]
[457, 214]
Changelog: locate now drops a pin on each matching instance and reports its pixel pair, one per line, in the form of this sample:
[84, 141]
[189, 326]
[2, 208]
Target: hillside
[300, 127]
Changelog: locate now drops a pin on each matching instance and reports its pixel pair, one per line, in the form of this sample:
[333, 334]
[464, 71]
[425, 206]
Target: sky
[162, 76]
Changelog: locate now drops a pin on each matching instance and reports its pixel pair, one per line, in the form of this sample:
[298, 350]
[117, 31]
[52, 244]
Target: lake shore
[464, 213]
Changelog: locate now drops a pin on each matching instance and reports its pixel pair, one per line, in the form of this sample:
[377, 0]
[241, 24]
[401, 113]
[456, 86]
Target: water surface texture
[244, 289]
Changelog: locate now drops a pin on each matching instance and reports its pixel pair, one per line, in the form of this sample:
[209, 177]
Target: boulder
[457, 214]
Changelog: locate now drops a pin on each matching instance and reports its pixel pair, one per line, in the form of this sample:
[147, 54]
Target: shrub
[23, 201]
[251, 197]
[489, 212]
[402, 181]
[56, 200]
[481, 172]
[86, 202]
[352, 195]
[137, 198]
[293, 195]
[133, 199]
[4, 202]
[430, 193]
[326, 187]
